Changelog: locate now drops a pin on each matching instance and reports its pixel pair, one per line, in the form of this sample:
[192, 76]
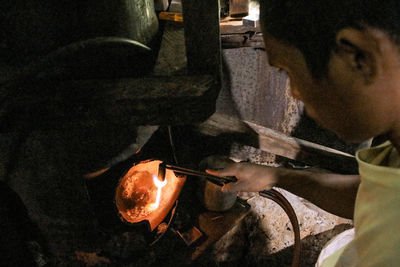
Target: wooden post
[202, 35]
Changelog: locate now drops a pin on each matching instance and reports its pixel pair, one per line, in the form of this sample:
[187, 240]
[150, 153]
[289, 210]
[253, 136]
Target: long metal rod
[212, 178]
[199, 173]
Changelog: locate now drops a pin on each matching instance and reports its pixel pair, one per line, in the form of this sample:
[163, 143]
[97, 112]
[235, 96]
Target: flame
[159, 184]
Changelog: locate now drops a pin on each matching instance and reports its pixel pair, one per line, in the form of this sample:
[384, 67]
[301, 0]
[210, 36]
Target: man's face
[338, 101]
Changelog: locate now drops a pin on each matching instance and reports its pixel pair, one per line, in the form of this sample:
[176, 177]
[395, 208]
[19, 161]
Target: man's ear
[359, 52]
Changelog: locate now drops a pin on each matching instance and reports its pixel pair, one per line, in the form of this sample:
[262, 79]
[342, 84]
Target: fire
[159, 184]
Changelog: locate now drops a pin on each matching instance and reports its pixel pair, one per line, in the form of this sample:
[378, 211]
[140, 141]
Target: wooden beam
[272, 141]
[158, 100]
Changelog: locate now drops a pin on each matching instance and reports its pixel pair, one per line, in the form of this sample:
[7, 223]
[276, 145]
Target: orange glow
[140, 196]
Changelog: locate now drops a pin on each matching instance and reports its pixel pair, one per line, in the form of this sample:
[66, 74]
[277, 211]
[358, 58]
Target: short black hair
[311, 25]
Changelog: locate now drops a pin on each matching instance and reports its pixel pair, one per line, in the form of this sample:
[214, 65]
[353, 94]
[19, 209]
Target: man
[343, 60]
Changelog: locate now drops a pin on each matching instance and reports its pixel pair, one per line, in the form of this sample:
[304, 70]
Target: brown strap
[284, 203]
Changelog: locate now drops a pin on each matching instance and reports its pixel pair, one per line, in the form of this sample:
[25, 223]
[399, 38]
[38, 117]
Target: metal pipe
[212, 178]
[287, 207]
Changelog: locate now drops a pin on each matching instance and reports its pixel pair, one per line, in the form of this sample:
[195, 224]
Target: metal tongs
[218, 180]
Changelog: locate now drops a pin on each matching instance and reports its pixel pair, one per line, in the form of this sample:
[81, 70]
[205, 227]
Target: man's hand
[251, 177]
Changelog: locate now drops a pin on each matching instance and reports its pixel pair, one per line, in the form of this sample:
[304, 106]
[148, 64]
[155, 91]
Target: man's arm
[334, 193]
